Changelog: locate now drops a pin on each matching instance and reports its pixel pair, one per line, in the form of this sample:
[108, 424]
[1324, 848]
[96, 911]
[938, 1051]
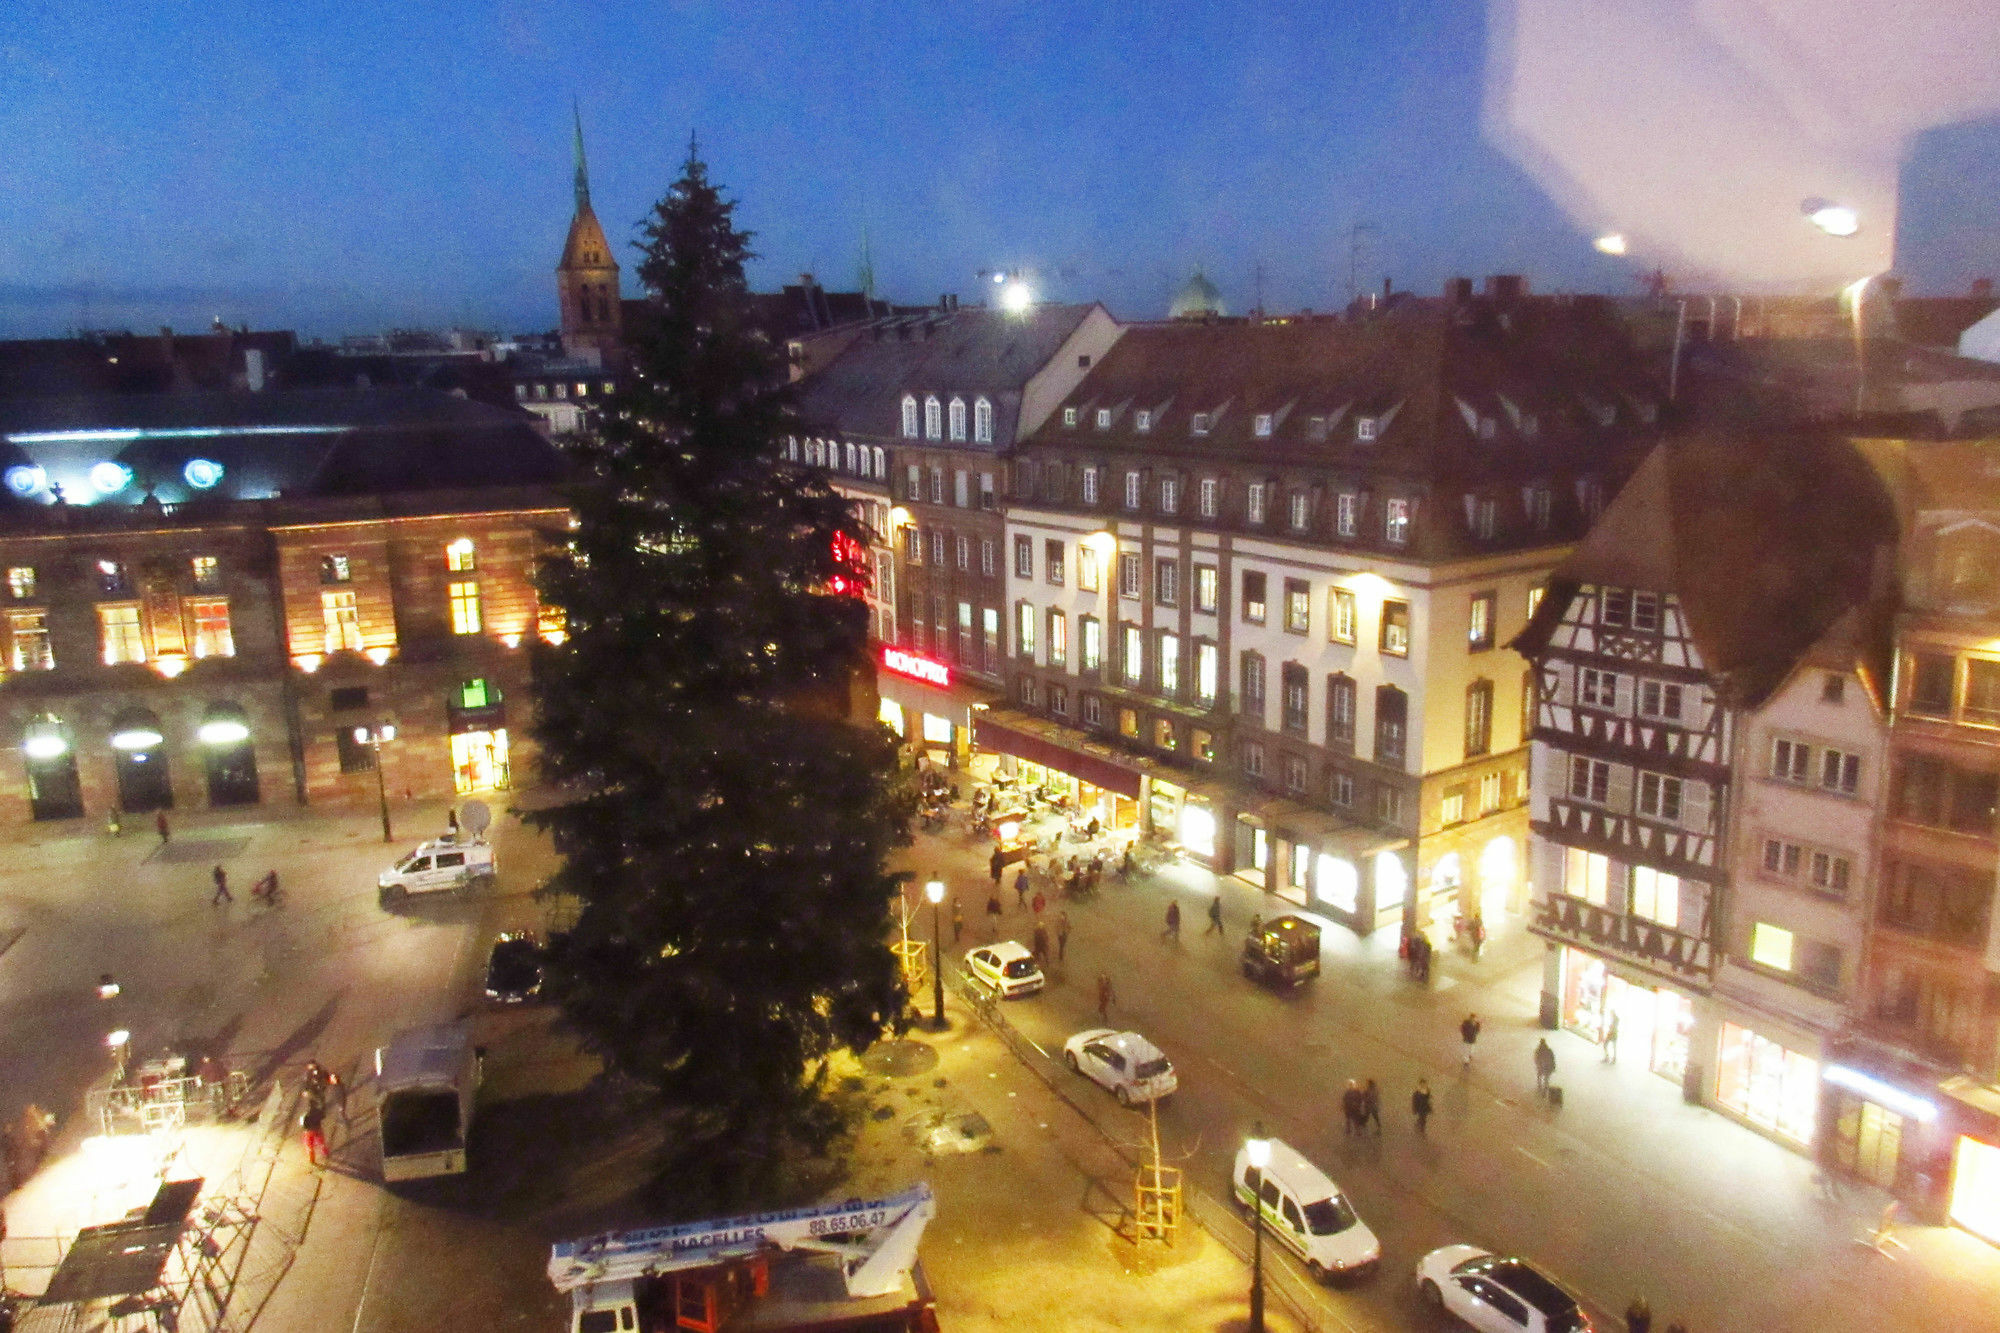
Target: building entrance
[479, 761]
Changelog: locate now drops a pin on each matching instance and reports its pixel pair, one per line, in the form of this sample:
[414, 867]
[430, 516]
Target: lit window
[1260, 426]
[1396, 628]
[465, 607]
[1771, 946]
[124, 639]
[933, 418]
[111, 578]
[1346, 513]
[1535, 600]
[1207, 589]
[28, 641]
[1340, 615]
[343, 621]
[1087, 577]
[1069, 416]
[1479, 625]
[1132, 654]
[1104, 418]
[206, 570]
[1024, 630]
[1253, 502]
[958, 418]
[211, 627]
[1207, 671]
[1199, 424]
[1301, 506]
[1586, 875]
[1142, 421]
[1365, 428]
[474, 693]
[1208, 503]
[1170, 664]
[982, 421]
[460, 558]
[21, 582]
[1396, 521]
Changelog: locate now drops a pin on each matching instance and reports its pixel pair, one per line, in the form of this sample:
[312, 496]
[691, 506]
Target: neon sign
[915, 667]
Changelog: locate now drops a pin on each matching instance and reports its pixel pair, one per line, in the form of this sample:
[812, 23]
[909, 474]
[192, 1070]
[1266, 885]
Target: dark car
[1282, 952]
[514, 969]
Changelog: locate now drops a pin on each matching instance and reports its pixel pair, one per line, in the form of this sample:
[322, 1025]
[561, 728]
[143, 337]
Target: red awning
[1051, 753]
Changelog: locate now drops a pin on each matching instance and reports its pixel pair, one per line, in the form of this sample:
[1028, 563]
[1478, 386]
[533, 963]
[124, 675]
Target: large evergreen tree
[724, 826]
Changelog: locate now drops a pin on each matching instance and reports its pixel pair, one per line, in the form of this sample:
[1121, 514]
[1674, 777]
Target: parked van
[1308, 1214]
[428, 1078]
[1284, 949]
[447, 865]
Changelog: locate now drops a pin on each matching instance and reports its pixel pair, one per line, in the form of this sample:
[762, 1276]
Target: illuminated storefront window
[479, 760]
[1339, 883]
[1767, 1084]
[1975, 1189]
[937, 730]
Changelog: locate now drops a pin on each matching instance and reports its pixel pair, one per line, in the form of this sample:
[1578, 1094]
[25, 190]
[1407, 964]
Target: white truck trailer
[427, 1078]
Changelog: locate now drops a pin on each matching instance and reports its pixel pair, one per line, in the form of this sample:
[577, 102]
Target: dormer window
[1142, 420]
[1530, 425]
[1316, 428]
[1200, 423]
[1365, 429]
[1488, 428]
[958, 418]
[1301, 510]
[1261, 426]
[909, 417]
[933, 418]
[1069, 416]
[1104, 418]
[982, 421]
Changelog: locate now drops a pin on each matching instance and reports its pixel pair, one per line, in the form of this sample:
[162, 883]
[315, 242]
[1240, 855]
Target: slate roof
[966, 352]
[1769, 540]
[299, 443]
[1546, 375]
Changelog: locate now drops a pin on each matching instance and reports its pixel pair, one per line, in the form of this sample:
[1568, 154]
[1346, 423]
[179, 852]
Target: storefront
[1656, 1022]
[1975, 1188]
[1769, 1083]
[1034, 752]
[1878, 1125]
[923, 702]
[477, 718]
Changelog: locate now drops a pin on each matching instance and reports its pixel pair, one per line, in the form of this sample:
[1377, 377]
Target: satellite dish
[475, 818]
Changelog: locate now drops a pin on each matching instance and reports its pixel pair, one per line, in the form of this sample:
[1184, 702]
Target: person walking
[1468, 1033]
[1420, 1104]
[222, 894]
[1545, 1066]
[1040, 904]
[1478, 934]
[957, 919]
[1041, 944]
[1611, 1039]
[1104, 997]
[1021, 887]
[1062, 934]
[1371, 1106]
[1638, 1316]
[1351, 1107]
[993, 912]
[160, 823]
[312, 1121]
[994, 865]
[1174, 920]
[1214, 916]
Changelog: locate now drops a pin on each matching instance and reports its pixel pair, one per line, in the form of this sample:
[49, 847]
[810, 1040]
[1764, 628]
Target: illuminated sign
[1875, 1090]
[917, 668]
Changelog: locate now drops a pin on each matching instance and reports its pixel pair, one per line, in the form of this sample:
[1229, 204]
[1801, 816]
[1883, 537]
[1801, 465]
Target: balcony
[1680, 957]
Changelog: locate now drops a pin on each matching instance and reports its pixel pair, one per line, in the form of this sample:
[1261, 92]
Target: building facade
[914, 416]
[207, 595]
[1261, 578]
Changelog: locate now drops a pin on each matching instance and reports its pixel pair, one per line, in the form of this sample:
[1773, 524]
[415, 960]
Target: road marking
[1531, 1157]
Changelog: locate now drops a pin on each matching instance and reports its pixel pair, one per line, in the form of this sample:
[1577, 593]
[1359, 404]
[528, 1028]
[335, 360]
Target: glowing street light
[1258, 1149]
[1015, 298]
[1612, 243]
[935, 892]
[1831, 218]
[373, 738]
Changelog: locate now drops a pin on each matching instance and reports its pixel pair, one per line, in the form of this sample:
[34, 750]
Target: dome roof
[1198, 298]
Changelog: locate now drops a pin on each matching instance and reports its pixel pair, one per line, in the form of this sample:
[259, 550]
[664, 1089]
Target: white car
[1008, 968]
[1133, 1068]
[1306, 1213]
[1497, 1295]
[444, 866]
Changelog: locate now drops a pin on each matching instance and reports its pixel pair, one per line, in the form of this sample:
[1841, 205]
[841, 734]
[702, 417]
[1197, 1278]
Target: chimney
[1982, 289]
[1457, 291]
[944, 302]
[1506, 287]
[1385, 291]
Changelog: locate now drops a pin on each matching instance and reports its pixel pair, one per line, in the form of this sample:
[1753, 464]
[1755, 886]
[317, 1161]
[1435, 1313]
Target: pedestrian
[1214, 916]
[1021, 888]
[451, 824]
[1040, 904]
[1174, 920]
[1350, 1107]
[1090, 876]
[1127, 863]
[993, 911]
[1371, 1105]
[994, 864]
[1424, 958]
[1090, 830]
[1468, 1032]
[312, 1120]
[1420, 1103]
[160, 823]
[1104, 997]
[1478, 933]
[957, 919]
[1611, 1039]
[222, 894]
[1256, 925]
[1545, 1065]
[1062, 934]
[1041, 943]
[1638, 1316]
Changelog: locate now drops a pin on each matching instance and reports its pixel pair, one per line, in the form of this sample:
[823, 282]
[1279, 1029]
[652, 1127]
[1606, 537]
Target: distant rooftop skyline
[345, 168]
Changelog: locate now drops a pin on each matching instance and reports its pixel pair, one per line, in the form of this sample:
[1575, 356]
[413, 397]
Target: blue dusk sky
[347, 167]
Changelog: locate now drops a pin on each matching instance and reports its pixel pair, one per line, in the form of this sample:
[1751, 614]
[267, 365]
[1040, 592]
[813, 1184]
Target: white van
[1306, 1211]
[428, 1078]
[447, 865]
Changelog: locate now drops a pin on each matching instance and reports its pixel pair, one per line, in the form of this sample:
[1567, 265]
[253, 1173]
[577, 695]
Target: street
[1626, 1190]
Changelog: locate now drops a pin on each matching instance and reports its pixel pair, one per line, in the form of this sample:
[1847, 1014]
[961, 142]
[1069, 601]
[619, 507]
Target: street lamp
[373, 738]
[935, 892]
[1258, 1149]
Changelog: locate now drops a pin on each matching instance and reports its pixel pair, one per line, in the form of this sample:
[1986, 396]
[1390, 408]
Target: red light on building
[850, 558]
[915, 667]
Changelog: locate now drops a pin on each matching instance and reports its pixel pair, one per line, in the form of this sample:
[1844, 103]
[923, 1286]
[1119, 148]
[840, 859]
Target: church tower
[587, 278]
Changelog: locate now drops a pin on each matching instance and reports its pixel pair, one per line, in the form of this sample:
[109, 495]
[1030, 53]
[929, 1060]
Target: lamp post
[935, 892]
[1258, 1149]
[373, 738]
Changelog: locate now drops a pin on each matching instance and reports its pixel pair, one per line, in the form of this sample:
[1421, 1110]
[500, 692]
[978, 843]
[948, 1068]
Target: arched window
[909, 417]
[1392, 720]
[881, 466]
[958, 418]
[982, 421]
[849, 452]
[933, 419]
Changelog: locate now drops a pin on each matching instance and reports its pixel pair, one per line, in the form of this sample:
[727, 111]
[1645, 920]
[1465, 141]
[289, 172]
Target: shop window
[1767, 1084]
[211, 627]
[1338, 884]
[465, 615]
[28, 641]
[1340, 615]
[937, 730]
[1396, 628]
[124, 638]
[1479, 622]
[21, 583]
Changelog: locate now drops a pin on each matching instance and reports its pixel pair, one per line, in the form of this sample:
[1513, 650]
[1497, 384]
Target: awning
[1004, 731]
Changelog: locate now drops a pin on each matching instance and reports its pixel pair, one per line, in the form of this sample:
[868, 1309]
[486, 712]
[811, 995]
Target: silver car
[1132, 1068]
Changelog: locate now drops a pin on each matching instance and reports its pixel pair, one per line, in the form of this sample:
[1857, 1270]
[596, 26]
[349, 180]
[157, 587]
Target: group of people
[318, 1081]
[265, 890]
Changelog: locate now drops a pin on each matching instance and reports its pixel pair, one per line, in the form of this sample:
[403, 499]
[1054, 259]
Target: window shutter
[1619, 799]
[1695, 805]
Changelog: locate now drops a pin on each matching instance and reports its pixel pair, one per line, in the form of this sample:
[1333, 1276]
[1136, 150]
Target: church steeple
[587, 276]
